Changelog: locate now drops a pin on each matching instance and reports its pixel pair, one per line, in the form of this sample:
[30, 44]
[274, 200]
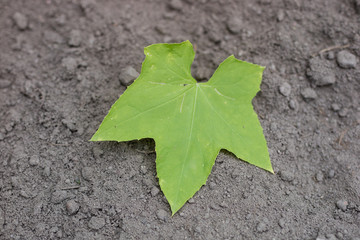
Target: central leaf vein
[189, 141]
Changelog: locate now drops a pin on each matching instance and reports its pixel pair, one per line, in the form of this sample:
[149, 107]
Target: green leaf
[189, 121]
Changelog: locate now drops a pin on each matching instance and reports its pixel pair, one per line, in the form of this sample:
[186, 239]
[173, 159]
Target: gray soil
[61, 67]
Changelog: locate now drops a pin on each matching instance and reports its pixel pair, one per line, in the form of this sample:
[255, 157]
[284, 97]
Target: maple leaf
[189, 121]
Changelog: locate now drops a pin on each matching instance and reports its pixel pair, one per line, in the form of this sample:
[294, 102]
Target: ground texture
[64, 63]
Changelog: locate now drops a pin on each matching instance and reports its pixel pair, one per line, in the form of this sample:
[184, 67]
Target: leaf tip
[269, 168]
[187, 42]
[173, 210]
[233, 57]
[93, 139]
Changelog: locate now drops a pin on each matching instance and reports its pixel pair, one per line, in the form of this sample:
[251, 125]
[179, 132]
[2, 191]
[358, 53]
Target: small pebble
[212, 185]
[161, 214]
[342, 204]
[87, 173]
[47, 171]
[154, 191]
[59, 234]
[282, 222]
[293, 104]
[34, 160]
[308, 94]
[96, 223]
[339, 235]
[214, 37]
[345, 59]
[191, 201]
[343, 112]
[147, 182]
[335, 107]
[286, 176]
[331, 173]
[285, 89]
[326, 79]
[54, 229]
[72, 207]
[52, 37]
[20, 21]
[70, 64]
[175, 5]
[143, 169]
[234, 25]
[223, 204]
[58, 196]
[261, 227]
[24, 194]
[319, 177]
[128, 75]
[75, 38]
[280, 15]
[321, 72]
[198, 229]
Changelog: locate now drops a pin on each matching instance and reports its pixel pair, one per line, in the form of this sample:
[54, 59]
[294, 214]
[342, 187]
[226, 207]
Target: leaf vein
[188, 145]
[155, 107]
[221, 117]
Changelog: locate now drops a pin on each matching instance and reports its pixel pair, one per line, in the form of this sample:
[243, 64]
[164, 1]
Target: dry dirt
[60, 63]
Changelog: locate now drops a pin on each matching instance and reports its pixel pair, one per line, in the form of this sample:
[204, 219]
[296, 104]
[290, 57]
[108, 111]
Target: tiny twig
[342, 134]
[331, 48]
[261, 116]
[340, 141]
[70, 187]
